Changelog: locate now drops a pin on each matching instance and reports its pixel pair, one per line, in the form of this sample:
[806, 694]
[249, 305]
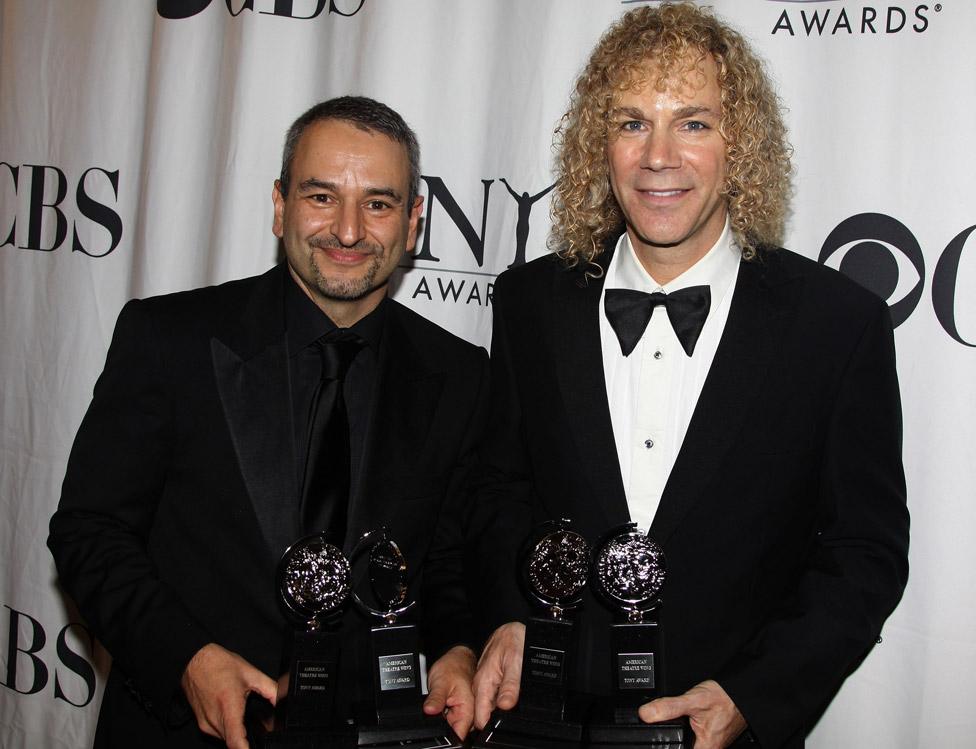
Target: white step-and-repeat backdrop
[138, 145]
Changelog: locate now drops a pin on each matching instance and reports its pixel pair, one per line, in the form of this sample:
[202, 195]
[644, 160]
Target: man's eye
[695, 125]
[377, 205]
[320, 197]
[631, 126]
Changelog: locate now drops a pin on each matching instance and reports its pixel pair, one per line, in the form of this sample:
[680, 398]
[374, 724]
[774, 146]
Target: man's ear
[415, 212]
[278, 200]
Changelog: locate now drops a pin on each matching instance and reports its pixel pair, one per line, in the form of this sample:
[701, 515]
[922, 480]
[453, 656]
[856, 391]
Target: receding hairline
[362, 127]
[371, 131]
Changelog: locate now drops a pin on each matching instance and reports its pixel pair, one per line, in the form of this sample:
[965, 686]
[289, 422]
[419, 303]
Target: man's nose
[660, 150]
[349, 228]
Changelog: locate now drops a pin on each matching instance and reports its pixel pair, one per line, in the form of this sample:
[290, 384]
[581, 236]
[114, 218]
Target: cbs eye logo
[882, 254]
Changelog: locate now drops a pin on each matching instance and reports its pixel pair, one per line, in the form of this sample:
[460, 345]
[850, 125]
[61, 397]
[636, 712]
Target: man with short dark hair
[203, 455]
[670, 365]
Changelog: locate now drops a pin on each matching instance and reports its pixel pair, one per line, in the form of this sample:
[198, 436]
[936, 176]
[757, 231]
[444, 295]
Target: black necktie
[629, 312]
[325, 489]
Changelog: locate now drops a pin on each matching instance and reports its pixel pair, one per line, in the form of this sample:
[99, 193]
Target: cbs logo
[882, 254]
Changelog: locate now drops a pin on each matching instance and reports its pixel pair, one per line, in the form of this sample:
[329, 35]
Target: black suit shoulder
[832, 307]
[437, 341]
[837, 288]
[533, 276]
[534, 296]
[207, 308]
[210, 297]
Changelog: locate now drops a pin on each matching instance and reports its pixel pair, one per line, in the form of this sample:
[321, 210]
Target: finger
[234, 734]
[460, 709]
[485, 690]
[508, 690]
[663, 708]
[508, 694]
[460, 717]
[236, 738]
[265, 686]
[437, 699]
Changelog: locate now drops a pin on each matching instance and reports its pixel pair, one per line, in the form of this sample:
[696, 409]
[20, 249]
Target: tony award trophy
[554, 573]
[396, 717]
[313, 584]
[629, 572]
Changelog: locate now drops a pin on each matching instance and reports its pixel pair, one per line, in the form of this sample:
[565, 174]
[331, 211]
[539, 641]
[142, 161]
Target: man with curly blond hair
[752, 425]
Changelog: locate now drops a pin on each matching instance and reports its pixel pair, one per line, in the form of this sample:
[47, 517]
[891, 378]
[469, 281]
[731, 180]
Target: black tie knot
[338, 348]
[629, 311]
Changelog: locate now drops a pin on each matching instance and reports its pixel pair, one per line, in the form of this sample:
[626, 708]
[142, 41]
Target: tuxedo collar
[576, 345]
[761, 307]
[250, 364]
[260, 321]
[716, 269]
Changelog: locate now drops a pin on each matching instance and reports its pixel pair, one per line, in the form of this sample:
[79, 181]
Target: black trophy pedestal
[545, 716]
[637, 661]
[397, 718]
[304, 717]
[517, 729]
[339, 737]
[416, 731]
[612, 726]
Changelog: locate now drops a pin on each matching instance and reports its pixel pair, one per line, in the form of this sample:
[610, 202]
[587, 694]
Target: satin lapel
[757, 320]
[578, 361]
[407, 390]
[251, 368]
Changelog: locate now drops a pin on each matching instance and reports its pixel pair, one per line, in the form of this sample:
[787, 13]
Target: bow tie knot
[629, 311]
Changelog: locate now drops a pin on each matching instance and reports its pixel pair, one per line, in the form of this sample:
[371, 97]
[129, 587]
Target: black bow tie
[629, 312]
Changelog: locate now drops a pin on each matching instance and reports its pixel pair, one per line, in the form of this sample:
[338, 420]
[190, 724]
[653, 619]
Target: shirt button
[648, 443]
[658, 354]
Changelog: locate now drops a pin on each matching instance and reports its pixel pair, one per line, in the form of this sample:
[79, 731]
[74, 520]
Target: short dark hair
[366, 114]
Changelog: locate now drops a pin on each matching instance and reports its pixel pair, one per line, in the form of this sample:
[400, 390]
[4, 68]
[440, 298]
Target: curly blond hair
[585, 212]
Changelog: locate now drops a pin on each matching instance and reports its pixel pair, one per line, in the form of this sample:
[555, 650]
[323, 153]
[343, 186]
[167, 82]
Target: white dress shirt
[653, 392]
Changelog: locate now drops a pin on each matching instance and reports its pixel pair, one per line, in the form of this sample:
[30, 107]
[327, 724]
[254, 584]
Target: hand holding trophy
[313, 584]
[629, 571]
[396, 717]
[554, 569]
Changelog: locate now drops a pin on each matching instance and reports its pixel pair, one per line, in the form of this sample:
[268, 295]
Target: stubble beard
[346, 289]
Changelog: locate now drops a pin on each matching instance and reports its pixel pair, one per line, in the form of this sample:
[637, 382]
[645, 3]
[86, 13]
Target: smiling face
[345, 223]
[667, 166]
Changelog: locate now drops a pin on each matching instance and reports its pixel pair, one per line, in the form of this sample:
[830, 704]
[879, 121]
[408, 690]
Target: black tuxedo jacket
[783, 520]
[181, 492]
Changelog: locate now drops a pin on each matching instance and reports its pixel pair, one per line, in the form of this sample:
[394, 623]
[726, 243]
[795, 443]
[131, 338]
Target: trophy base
[340, 737]
[515, 730]
[259, 717]
[423, 732]
[613, 727]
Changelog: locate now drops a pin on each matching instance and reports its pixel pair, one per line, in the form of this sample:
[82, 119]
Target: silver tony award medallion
[629, 570]
[395, 715]
[313, 580]
[313, 583]
[555, 566]
[629, 573]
